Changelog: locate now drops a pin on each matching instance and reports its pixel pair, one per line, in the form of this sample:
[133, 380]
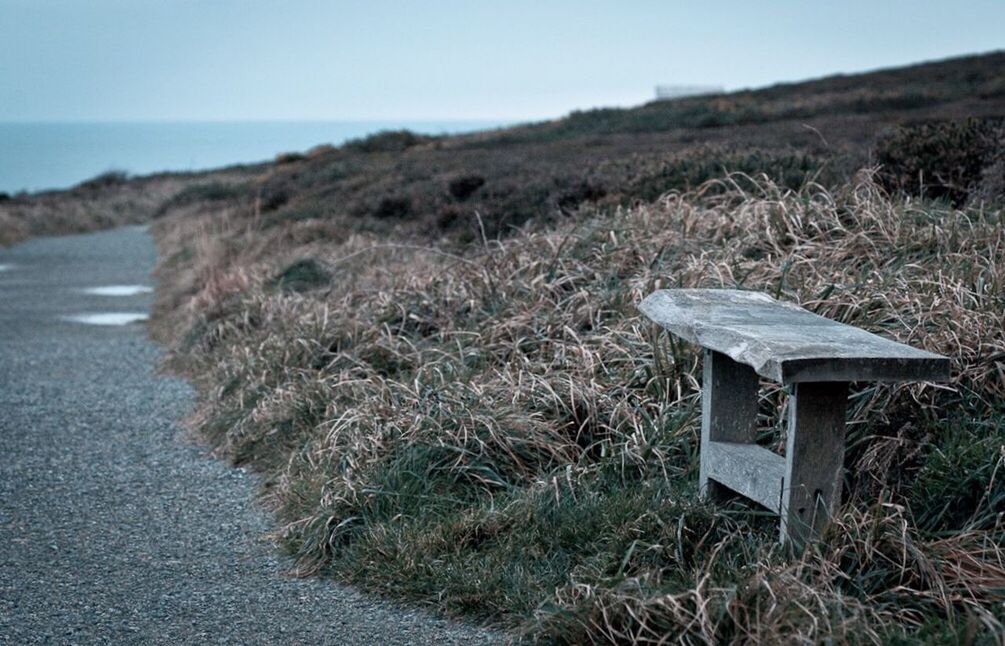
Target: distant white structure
[666, 92]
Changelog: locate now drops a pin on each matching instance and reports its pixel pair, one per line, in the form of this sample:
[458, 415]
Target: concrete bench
[745, 334]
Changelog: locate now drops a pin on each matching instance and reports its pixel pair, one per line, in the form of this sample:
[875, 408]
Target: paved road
[112, 530]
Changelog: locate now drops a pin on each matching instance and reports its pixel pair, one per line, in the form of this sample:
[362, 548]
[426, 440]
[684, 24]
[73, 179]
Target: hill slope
[431, 349]
[822, 130]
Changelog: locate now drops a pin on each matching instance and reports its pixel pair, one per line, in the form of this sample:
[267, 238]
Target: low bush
[463, 187]
[105, 180]
[790, 169]
[944, 159]
[271, 197]
[289, 158]
[393, 208]
[321, 150]
[585, 191]
[302, 275]
[387, 141]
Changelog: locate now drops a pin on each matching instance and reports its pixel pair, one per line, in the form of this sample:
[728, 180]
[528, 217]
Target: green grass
[495, 432]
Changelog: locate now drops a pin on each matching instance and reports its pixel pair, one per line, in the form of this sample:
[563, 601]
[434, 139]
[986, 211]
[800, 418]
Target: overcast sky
[498, 59]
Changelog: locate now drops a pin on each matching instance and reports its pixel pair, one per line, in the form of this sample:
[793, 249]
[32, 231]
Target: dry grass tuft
[496, 431]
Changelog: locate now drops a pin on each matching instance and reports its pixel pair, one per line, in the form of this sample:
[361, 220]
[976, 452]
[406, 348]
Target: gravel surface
[112, 530]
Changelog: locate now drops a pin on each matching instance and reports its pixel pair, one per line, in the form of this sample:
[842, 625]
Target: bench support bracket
[804, 487]
[814, 456]
[728, 413]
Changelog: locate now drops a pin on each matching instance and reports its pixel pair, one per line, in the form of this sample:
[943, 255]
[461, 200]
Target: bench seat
[750, 334]
[784, 342]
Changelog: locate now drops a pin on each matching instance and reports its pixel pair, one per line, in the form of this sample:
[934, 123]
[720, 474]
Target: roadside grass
[113, 199]
[493, 430]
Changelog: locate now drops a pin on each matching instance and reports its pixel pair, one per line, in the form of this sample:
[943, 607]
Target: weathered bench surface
[786, 343]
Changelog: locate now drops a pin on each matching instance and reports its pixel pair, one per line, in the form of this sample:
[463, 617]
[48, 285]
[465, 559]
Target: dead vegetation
[497, 432]
[109, 200]
[430, 348]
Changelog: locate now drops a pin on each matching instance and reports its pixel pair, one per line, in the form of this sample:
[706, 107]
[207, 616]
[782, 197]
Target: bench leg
[728, 412]
[814, 457]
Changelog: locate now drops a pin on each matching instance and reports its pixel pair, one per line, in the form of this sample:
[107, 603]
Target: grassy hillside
[475, 417]
[500, 434]
[113, 199]
[491, 182]
[430, 349]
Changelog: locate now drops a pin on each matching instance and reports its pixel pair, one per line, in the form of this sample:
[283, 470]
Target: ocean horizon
[37, 156]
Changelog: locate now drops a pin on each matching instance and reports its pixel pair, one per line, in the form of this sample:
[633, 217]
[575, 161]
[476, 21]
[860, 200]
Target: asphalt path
[115, 530]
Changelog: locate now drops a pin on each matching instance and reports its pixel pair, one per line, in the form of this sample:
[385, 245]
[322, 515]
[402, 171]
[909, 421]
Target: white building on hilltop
[666, 92]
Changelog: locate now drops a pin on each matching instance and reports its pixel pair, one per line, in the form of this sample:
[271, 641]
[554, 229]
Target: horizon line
[187, 120]
[507, 120]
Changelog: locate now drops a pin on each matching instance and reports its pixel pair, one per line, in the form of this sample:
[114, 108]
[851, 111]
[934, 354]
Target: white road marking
[107, 318]
[118, 290]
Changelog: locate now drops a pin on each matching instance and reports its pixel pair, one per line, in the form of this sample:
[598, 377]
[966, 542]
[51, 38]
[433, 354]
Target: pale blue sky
[376, 59]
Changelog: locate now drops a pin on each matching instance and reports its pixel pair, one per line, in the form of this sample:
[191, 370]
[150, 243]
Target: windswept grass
[495, 431]
[430, 348]
[113, 199]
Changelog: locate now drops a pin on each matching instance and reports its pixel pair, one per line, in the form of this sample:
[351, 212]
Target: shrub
[387, 141]
[321, 150]
[992, 187]
[789, 169]
[301, 276]
[447, 218]
[289, 158]
[271, 197]
[105, 180]
[208, 192]
[463, 187]
[941, 159]
[393, 207]
[585, 191]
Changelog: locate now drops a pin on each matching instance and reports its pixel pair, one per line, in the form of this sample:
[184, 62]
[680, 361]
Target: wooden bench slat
[748, 469]
[786, 343]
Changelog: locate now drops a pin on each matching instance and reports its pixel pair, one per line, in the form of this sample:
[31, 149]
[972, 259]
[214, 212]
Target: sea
[40, 156]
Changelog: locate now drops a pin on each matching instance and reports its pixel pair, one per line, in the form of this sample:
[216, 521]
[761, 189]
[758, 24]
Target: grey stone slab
[747, 469]
[786, 343]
